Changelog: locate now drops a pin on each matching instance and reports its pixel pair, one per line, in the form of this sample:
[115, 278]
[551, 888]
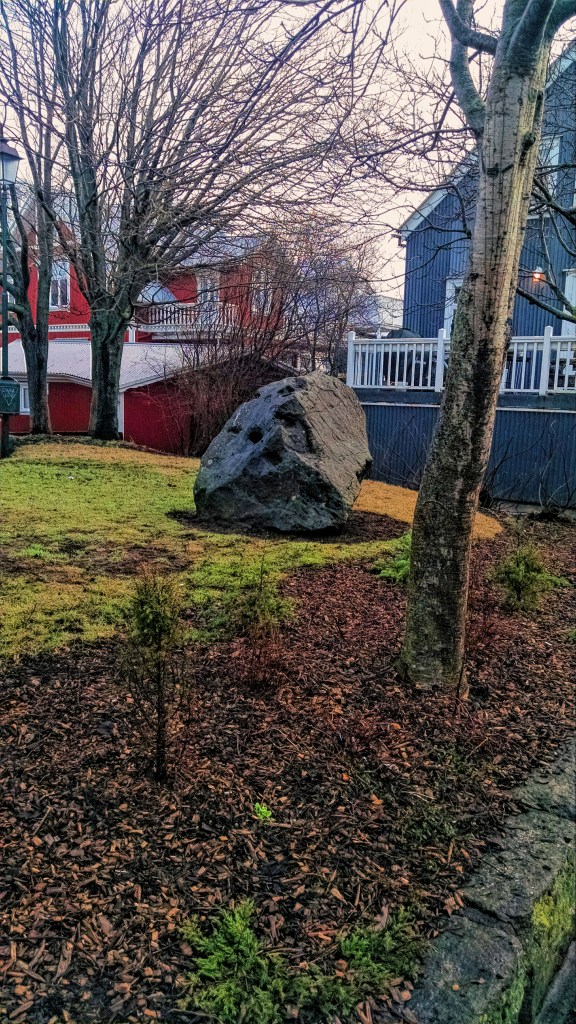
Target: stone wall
[496, 963]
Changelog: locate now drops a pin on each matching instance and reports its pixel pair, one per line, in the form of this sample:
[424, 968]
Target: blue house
[436, 234]
[399, 379]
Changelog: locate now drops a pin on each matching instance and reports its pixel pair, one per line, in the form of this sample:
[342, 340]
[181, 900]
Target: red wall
[184, 287]
[20, 424]
[69, 407]
[78, 311]
[156, 417]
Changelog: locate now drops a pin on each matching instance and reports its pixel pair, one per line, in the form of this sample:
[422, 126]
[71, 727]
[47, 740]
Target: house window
[261, 293]
[569, 329]
[453, 289]
[24, 398]
[208, 288]
[60, 285]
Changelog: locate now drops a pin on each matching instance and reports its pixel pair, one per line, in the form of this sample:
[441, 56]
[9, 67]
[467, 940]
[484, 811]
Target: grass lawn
[77, 521]
[332, 813]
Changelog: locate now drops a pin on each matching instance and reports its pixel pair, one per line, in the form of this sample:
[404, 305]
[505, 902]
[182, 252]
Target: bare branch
[468, 96]
[464, 33]
[530, 30]
[562, 12]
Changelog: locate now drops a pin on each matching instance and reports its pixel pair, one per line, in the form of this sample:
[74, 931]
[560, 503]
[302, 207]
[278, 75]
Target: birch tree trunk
[433, 651]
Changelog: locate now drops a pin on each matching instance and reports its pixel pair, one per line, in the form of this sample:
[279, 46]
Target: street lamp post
[9, 389]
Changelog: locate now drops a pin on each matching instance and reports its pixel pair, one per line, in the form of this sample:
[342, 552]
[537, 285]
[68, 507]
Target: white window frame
[262, 293]
[208, 281]
[453, 284]
[568, 329]
[24, 398]
[60, 273]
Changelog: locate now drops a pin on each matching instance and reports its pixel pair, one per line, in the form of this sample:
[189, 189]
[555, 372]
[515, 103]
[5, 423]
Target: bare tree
[506, 124]
[31, 97]
[327, 289]
[176, 120]
[294, 296]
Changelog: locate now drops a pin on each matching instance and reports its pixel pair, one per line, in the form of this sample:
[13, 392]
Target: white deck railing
[179, 318]
[539, 365]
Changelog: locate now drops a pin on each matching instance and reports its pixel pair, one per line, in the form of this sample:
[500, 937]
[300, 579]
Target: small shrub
[396, 565]
[524, 578]
[375, 956]
[151, 667]
[235, 979]
[256, 609]
[262, 812]
[154, 612]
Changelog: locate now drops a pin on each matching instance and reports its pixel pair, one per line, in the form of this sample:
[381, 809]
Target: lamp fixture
[9, 160]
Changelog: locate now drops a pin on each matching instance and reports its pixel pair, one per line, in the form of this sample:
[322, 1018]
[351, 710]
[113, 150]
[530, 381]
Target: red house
[220, 292]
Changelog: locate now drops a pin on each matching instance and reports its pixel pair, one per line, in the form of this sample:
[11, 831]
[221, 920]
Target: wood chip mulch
[380, 796]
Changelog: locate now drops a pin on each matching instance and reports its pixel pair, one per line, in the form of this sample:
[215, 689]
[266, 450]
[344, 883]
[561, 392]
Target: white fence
[181, 318]
[538, 365]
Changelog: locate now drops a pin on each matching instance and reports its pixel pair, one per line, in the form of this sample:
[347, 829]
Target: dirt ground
[379, 795]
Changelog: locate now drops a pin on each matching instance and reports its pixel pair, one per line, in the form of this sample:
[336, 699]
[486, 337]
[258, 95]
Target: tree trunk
[434, 643]
[34, 326]
[107, 329]
[35, 345]
[161, 771]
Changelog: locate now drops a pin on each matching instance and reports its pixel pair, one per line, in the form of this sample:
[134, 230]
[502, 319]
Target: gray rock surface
[489, 964]
[560, 1005]
[292, 459]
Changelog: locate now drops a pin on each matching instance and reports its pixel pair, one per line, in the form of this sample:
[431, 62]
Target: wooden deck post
[545, 367]
[439, 379]
[350, 362]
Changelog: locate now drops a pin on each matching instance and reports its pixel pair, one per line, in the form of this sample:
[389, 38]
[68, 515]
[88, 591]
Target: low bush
[524, 578]
[396, 565]
[234, 978]
[254, 610]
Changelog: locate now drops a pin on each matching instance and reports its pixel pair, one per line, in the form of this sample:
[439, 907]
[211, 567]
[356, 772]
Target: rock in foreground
[292, 459]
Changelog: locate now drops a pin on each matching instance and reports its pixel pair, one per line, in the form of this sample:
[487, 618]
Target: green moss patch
[553, 923]
[551, 931]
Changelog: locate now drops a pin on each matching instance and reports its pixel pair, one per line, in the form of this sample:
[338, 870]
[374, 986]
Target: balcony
[544, 365]
[179, 321]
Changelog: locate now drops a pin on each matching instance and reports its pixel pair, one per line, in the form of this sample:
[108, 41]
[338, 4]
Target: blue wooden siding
[533, 457]
[437, 251]
[434, 254]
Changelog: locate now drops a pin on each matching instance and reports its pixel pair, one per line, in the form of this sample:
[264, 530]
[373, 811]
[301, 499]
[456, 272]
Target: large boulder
[292, 459]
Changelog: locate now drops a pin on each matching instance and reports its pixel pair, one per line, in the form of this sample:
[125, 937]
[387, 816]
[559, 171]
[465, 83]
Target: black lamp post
[9, 389]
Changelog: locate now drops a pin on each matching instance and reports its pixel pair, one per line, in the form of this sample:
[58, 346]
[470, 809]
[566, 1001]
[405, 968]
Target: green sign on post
[9, 397]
